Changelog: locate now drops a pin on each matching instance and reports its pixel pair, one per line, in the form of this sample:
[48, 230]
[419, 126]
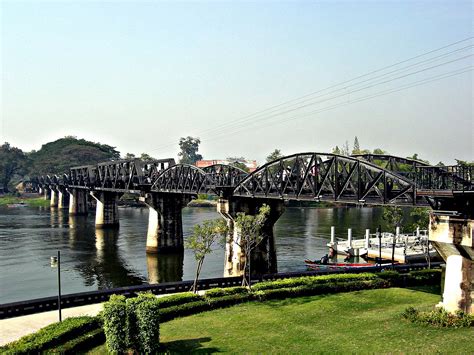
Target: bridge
[367, 179]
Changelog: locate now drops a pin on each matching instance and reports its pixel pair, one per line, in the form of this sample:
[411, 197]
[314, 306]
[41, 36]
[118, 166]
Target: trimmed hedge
[179, 298]
[52, 335]
[115, 324]
[133, 339]
[81, 343]
[148, 321]
[219, 292]
[181, 310]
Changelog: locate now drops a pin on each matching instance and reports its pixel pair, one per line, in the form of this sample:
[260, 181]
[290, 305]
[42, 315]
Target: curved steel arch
[225, 175]
[183, 178]
[327, 176]
[424, 175]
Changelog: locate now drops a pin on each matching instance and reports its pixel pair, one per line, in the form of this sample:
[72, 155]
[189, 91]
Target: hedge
[81, 343]
[133, 341]
[115, 324]
[439, 318]
[148, 321]
[52, 335]
[179, 298]
[219, 292]
[186, 309]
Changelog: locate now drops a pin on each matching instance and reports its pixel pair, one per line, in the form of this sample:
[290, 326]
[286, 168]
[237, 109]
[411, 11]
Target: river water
[98, 259]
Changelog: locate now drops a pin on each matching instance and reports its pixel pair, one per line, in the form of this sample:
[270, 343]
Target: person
[324, 260]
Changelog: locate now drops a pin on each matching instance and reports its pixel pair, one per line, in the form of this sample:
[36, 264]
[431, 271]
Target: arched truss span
[331, 177]
[189, 179]
[425, 176]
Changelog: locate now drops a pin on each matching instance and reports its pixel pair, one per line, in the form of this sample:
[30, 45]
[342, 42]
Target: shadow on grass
[434, 290]
[189, 345]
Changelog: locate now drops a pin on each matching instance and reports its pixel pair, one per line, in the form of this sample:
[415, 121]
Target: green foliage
[129, 156]
[275, 155]
[336, 150]
[240, 165]
[12, 161]
[393, 217]
[439, 318]
[178, 299]
[81, 343]
[380, 151]
[421, 218]
[184, 309]
[133, 340]
[115, 324]
[356, 148]
[52, 335]
[250, 235]
[58, 156]
[219, 292]
[201, 241]
[32, 202]
[147, 315]
[189, 147]
[464, 162]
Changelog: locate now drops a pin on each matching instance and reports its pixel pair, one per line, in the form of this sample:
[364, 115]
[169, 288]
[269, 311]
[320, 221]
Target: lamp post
[56, 262]
[379, 235]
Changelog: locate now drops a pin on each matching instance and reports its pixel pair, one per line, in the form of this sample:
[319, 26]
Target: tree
[189, 147]
[12, 161]
[146, 157]
[249, 236]
[201, 241]
[416, 157]
[275, 155]
[393, 216]
[129, 156]
[356, 149]
[421, 218]
[336, 150]
[464, 162]
[345, 148]
[379, 151]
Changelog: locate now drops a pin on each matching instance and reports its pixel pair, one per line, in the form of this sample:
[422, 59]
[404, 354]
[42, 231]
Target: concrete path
[14, 328]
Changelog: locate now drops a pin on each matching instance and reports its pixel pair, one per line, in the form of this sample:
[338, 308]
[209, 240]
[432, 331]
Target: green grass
[364, 322]
[32, 202]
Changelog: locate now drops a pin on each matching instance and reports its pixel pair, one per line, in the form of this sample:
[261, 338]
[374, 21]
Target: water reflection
[165, 267]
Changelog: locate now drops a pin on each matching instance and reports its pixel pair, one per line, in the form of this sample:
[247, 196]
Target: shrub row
[132, 323]
[439, 318]
[52, 335]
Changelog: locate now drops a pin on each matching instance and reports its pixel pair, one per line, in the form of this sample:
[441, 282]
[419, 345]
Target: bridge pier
[63, 198]
[263, 257]
[77, 202]
[452, 236]
[165, 225]
[54, 198]
[46, 193]
[106, 213]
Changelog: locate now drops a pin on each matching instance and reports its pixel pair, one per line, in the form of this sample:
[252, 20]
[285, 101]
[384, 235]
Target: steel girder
[330, 177]
[189, 179]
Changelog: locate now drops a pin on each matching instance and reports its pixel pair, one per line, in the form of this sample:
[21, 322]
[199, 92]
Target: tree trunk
[198, 271]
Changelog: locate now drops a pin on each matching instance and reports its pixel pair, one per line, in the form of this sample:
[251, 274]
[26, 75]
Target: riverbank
[31, 201]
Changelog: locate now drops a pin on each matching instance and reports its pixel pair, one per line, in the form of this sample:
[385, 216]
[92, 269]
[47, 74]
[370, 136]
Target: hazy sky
[140, 75]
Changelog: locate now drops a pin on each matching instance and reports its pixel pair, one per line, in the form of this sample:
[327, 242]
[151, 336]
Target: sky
[140, 75]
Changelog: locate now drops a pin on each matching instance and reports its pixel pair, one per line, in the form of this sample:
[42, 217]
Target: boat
[14, 205]
[317, 263]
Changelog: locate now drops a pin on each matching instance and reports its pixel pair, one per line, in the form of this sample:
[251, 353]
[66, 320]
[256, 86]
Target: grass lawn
[363, 321]
[30, 201]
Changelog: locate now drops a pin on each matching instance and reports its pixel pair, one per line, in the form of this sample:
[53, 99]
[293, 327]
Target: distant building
[250, 164]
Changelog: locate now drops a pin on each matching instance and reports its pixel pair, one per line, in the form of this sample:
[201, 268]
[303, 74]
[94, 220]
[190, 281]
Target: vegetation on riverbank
[29, 201]
[362, 321]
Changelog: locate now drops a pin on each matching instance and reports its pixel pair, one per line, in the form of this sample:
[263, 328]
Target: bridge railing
[15, 309]
[455, 177]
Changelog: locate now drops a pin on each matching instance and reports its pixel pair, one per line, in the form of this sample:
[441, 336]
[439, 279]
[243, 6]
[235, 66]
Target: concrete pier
[63, 198]
[165, 226]
[77, 202]
[263, 258]
[106, 213]
[452, 237]
[46, 193]
[54, 198]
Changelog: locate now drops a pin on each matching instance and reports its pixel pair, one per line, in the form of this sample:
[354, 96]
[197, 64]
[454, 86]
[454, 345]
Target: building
[250, 164]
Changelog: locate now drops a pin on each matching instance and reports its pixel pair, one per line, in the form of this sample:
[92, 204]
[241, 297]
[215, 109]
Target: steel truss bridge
[360, 179]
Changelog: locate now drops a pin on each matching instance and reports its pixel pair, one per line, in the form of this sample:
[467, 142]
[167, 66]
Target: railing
[38, 305]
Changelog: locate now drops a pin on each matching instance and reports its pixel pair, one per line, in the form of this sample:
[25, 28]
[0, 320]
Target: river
[98, 259]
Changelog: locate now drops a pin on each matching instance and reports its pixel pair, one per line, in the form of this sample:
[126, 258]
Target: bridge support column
[46, 193]
[453, 239]
[165, 226]
[106, 213]
[77, 202]
[63, 198]
[54, 198]
[263, 257]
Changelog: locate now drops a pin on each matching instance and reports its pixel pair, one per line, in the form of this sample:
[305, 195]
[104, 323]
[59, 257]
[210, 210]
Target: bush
[82, 343]
[229, 300]
[52, 335]
[439, 318]
[180, 298]
[219, 292]
[148, 320]
[183, 310]
[115, 324]
[133, 341]
[424, 277]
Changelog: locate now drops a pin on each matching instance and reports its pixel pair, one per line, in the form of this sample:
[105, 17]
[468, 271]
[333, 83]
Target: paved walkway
[14, 328]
